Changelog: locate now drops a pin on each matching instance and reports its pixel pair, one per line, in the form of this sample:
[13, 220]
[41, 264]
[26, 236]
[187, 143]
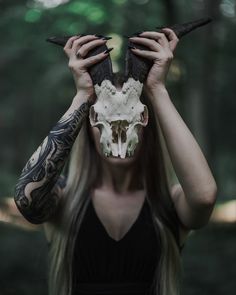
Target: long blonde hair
[83, 174]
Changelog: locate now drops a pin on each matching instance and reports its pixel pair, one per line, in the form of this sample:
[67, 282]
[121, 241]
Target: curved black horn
[138, 67]
[99, 71]
[183, 29]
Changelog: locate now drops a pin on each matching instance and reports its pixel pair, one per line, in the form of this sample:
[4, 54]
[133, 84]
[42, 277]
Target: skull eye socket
[93, 116]
[144, 116]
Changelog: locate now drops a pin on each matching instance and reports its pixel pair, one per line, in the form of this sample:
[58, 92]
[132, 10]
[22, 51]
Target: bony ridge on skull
[118, 114]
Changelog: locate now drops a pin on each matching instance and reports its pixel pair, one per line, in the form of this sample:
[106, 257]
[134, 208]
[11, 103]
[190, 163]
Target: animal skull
[118, 115]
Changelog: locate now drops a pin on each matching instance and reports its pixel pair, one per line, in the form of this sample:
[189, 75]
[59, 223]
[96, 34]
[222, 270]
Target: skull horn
[99, 71]
[137, 67]
[183, 29]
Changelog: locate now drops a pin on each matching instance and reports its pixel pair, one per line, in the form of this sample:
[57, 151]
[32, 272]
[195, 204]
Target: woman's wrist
[82, 97]
[158, 90]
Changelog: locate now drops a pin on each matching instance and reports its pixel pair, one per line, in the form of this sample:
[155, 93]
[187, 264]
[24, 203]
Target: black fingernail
[126, 36]
[107, 38]
[99, 36]
[131, 47]
[103, 37]
[108, 50]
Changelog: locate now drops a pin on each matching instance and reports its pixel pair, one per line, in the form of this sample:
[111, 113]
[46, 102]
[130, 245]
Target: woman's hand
[76, 49]
[162, 46]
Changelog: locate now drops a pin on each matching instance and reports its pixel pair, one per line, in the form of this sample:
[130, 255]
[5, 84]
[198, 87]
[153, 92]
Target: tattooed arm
[37, 194]
[38, 189]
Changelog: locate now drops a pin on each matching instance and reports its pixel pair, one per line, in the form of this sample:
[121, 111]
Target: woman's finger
[173, 39]
[159, 37]
[152, 44]
[69, 42]
[84, 49]
[82, 40]
[85, 63]
[152, 55]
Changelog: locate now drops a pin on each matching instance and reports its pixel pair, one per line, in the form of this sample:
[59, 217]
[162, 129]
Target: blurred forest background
[37, 88]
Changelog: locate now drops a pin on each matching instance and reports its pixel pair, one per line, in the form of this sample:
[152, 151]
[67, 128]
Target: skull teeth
[129, 153]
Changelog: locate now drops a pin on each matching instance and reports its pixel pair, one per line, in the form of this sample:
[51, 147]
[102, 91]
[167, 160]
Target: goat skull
[118, 115]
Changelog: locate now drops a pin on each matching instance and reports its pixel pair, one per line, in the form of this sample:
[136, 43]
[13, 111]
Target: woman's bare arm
[38, 189]
[195, 196]
[36, 192]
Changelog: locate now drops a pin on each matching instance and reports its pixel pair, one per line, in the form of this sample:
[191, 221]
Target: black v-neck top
[99, 260]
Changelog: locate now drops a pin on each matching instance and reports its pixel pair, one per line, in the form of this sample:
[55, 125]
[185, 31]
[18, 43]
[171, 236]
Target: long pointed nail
[103, 37]
[108, 50]
[107, 38]
[126, 36]
[99, 36]
[131, 47]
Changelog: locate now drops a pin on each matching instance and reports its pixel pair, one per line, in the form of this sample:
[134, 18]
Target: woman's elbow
[33, 213]
[209, 195]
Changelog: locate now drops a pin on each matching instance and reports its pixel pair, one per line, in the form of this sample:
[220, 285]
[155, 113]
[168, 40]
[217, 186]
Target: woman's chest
[98, 257]
[117, 215]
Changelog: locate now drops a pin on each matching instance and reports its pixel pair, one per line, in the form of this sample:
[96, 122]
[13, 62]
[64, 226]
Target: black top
[102, 264]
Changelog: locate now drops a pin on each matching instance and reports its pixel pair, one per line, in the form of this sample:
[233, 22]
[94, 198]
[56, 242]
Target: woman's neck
[121, 179]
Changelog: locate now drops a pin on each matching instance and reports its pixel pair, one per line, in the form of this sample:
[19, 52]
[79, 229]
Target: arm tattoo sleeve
[34, 194]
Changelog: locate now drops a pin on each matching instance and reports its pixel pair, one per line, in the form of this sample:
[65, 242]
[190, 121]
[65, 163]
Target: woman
[116, 226]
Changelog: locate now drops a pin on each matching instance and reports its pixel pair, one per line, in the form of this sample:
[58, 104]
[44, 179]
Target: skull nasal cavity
[119, 130]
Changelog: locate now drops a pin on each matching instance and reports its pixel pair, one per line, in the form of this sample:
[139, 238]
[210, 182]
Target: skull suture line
[118, 115]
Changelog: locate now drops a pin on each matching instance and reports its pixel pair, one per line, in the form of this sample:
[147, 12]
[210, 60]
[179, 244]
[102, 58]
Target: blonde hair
[83, 174]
